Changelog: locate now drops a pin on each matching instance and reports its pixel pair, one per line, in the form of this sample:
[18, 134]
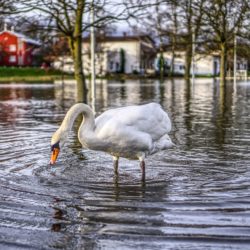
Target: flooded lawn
[196, 196]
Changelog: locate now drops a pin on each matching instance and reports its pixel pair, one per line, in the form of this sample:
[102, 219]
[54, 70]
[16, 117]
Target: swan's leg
[142, 165]
[115, 162]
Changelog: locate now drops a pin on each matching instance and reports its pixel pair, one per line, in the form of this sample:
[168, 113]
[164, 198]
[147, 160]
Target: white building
[203, 64]
[136, 53]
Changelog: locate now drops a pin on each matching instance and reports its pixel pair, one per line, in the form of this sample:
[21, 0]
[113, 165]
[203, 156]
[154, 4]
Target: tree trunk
[223, 64]
[76, 50]
[162, 66]
[171, 71]
[188, 61]
[79, 75]
[174, 38]
[76, 53]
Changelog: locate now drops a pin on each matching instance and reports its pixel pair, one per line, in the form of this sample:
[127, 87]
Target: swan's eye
[56, 145]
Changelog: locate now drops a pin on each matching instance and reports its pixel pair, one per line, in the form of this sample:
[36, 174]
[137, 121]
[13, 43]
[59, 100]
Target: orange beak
[54, 156]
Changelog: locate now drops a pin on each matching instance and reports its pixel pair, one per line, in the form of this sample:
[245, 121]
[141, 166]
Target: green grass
[26, 71]
[32, 79]
[30, 74]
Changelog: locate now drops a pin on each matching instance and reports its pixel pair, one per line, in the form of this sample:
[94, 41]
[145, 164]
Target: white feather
[130, 132]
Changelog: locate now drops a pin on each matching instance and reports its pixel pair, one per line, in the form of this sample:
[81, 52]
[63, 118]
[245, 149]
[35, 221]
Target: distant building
[16, 49]
[203, 64]
[115, 54]
[137, 53]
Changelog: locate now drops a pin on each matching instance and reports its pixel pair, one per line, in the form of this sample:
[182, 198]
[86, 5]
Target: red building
[16, 49]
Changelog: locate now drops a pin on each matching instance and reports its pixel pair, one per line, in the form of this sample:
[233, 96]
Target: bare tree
[70, 18]
[174, 23]
[225, 18]
[152, 21]
[173, 32]
[168, 28]
[66, 18]
[6, 9]
[191, 21]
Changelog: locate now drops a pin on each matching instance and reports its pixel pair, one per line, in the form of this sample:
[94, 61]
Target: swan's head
[57, 141]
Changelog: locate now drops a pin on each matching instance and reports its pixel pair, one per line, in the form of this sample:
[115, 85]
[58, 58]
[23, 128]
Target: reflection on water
[196, 196]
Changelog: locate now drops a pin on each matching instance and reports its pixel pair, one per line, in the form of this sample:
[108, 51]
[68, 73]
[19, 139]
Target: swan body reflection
[131, 132]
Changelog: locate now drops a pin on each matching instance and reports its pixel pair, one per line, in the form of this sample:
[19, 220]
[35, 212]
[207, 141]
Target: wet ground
[196, 196]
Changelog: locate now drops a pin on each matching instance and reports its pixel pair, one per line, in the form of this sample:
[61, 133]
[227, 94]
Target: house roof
[22, 37]
[181, 47]
[119, 38]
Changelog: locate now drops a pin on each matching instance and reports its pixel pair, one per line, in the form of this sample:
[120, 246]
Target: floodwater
[196, 196]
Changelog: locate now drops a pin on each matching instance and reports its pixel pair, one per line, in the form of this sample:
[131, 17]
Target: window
[117, 66]
[111, 64]
[12, 48]
[12, 59]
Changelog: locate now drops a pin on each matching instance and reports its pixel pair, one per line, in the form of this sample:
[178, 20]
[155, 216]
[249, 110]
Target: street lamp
[193, 55]
[92, 45]
[235, 57]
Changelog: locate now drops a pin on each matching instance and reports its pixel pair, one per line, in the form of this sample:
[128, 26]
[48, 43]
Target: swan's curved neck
[79, 108]
[86, 132]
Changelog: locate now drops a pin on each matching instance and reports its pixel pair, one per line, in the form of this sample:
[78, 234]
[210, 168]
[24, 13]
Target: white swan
[131, 132]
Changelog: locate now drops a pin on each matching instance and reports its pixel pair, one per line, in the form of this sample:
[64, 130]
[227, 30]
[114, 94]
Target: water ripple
[196, 196]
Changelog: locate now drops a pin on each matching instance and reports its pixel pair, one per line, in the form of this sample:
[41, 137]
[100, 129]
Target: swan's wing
[133, 120]
[122, 139]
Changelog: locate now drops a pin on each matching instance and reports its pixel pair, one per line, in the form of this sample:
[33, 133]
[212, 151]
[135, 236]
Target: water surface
[196, 196]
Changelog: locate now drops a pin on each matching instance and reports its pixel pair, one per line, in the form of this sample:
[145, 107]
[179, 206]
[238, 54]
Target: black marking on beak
[56, 145]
